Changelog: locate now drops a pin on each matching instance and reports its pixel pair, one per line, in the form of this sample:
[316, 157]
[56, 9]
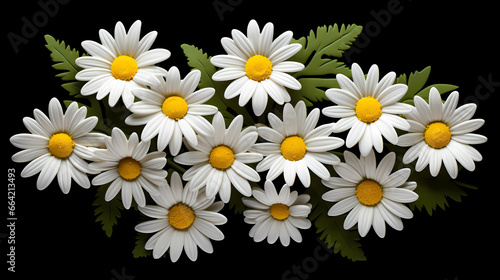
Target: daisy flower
[184, 220]
[58, 145]
[172, 109]
[277, 215]
[219, 159]
[120, 64]
[440, 133]
[128, 166]
[370, 194]
[368, 108]
[296, 145]
[258, 66]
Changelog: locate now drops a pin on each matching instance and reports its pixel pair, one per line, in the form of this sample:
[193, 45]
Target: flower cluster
[222, 152]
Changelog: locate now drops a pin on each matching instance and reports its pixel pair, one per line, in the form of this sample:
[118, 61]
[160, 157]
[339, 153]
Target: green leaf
[417, 81]
[74, 88]
[318, 54]
[197, 59]
[229, 108]
[442, 88]
[433, 192]
[313, 90]
[107, 212]
[139, 250]
[327, 42]
[64, 58]
[331, 228]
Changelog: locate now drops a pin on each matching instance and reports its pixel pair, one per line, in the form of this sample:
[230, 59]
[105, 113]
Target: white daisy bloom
[219, 159]
[258, 66]
[173, 109]
[372, 194]
[184, 220]
[369, 108]
[120, 64]
[277, 215]
[440, 133]
[127, 165]
[296, 145]
[58, 145]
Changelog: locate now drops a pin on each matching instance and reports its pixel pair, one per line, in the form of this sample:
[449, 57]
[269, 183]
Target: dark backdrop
[57, 236]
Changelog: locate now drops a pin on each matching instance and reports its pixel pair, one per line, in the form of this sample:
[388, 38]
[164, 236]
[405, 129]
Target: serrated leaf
[417, 80]
[313, 90]
[318, 54]
[331, 228]
[197, 59]
[139, 249]
[401, 79]
[327, 42]
[107, 212]
[73, 88]
[416, 83]
[442, 88]
[64, 58]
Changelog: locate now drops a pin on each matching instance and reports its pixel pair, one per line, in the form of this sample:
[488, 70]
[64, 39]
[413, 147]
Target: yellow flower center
[175, 107]
[437, 135]
[180, 216]
[61, 145]
[280, 211]
[368, 109]
[221, 157]
[293, 148]
[124, 68]
[369, 192]
[258, 68]
[129, 168]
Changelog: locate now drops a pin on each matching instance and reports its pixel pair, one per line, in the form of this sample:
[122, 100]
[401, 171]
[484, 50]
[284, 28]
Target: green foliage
[331, 228]
[318, 54]
[107, 212]
[64, 58]
[417, 81]
[139, 250]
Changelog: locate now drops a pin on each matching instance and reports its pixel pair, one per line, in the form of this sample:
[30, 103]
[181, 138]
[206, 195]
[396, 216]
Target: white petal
[152, 57]
[365, 220]
[285, 80]
[343, 206]
[288, 66]
[227, 74]
[259, 100]
[400, 195]
[397, 209]
[228, 61]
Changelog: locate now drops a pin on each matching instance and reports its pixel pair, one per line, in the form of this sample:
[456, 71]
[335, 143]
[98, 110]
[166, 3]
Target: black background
[57, 236]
